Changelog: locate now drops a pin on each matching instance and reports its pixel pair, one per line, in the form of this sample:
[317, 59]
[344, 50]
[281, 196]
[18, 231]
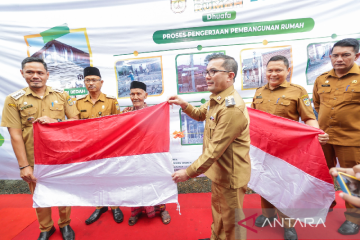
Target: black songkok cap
[137, 84]
[88, 71]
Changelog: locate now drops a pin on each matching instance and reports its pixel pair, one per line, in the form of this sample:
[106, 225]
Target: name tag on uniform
[257, 97]
[83, 110]
[325, 85]
[28, 106]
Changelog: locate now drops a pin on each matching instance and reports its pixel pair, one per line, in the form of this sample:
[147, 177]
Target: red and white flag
[118, 160]
[288, 167]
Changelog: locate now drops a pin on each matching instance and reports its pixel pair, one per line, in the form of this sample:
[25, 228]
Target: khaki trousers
[226, 206]
[113, 208]
[348, 157]
[269, 210]
[44, 214]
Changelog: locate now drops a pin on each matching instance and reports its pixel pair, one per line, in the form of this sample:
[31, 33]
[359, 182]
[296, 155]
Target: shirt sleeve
[70, 108]
[316, 98]
[231, 123]
[10, 116]
[197, 113]
[304, 107]
[115, 108]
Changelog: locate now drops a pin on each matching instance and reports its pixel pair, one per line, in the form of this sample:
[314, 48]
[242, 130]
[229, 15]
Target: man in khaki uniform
[98, 104]
[43, 104]
[336, 97]
[225, 158]
[278, 97]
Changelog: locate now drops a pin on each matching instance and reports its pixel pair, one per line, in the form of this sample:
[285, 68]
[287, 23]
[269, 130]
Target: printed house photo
[193, 130]
[66, 57]
[319, 60]
[189, 70]
[253, 65]
[146, 70]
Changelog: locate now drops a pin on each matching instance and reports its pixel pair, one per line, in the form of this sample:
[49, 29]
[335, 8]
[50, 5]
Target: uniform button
[334, 98]
[332, 108]
[281, 103]
[337, 89]
[352, 90]
[323, 91]
[330, 126]
[269, 100]
[330, 117]
[43, 110]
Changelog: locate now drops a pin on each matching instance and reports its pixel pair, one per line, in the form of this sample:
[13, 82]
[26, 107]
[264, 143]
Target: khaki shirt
[23, 107]
[288, 101]
[104, 106]
[225, 158]
[337, 100]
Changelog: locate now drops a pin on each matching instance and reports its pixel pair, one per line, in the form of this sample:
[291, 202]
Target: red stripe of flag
[270, 138]
[140, 132]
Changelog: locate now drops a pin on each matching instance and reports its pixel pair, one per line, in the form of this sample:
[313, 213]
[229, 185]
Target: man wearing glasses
[97, 104]
[284, 99]
[225, 158]
[336, 97]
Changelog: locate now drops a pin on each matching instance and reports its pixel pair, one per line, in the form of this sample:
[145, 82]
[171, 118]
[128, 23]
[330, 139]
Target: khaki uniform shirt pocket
[211, 128]
[258, 103]
[28, 116]
[57, 111]
[324, 94]
[106, 112]
[84, 115]
[352, 94]
[282, 107]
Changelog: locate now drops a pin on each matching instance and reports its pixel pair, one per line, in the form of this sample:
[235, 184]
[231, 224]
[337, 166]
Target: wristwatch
[59, 120]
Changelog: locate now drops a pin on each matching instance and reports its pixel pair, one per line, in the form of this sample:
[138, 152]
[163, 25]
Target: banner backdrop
[166, 44]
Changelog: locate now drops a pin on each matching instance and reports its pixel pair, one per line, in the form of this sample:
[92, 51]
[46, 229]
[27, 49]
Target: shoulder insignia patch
[117, 106]
[109, 96]
[59, 90]
[70, 102]
[18, 94]
[229, 101]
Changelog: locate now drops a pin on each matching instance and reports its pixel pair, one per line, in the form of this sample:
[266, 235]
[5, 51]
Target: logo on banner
[178, 6]
[211, 5]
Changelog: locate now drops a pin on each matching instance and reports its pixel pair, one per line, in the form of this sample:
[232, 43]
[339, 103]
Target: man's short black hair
[279, 58]
[229, 62]
[348, 42]
[33, 59]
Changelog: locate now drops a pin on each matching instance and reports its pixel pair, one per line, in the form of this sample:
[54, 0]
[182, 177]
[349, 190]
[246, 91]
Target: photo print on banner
[66, 52]
[189, 72]
[147, 70]
[193, 130]
[319, 60]
[253, 65]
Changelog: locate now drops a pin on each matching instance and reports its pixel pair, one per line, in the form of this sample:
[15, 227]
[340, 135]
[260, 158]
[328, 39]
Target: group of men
[43, 104]
[225, 158]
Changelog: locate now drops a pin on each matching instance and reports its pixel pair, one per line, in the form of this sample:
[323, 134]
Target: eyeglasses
[92, 80]
[212, 72]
